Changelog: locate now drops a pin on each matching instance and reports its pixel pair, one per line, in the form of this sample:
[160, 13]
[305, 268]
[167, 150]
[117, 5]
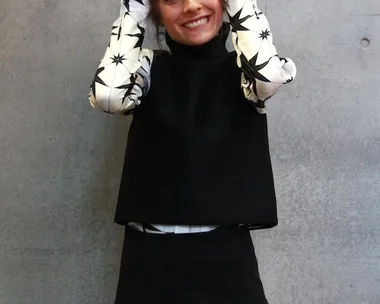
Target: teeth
[197, 23]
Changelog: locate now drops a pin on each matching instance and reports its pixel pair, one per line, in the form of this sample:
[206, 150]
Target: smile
[197, 23]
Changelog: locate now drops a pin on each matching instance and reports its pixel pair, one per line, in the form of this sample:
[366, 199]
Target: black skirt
[199, 268]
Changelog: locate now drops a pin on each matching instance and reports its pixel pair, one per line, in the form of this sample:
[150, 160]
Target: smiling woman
[191, 22]
[197, 174]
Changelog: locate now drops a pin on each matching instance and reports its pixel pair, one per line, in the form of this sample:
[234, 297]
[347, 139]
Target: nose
[190, 6]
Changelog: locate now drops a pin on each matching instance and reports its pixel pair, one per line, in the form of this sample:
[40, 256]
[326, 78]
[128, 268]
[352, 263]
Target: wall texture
[61, 161]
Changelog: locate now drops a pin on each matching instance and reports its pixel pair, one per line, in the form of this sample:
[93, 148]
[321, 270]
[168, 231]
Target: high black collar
[213, 48]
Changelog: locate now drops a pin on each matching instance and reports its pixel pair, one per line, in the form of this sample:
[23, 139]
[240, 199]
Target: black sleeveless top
[197, 151]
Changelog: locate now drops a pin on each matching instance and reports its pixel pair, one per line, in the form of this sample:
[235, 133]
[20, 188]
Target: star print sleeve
[123, 76]
[263, 71]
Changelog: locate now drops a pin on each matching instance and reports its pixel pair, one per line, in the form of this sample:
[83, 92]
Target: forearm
[263, 71]
[122, 77]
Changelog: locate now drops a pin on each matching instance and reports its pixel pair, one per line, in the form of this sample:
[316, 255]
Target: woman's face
[177, 17]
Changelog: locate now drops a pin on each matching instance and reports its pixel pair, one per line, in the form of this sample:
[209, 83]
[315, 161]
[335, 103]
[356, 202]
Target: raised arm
[263, 71]
[123, 76]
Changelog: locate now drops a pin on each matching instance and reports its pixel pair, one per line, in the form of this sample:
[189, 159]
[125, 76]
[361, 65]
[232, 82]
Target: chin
[199, 41]
[202, 38]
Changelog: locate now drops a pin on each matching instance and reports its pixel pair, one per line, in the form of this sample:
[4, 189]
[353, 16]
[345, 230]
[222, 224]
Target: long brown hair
[154, 16]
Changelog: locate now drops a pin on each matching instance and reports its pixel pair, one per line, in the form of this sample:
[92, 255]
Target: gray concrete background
[61, 160]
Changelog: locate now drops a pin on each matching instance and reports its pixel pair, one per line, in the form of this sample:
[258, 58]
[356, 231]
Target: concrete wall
[61, 161]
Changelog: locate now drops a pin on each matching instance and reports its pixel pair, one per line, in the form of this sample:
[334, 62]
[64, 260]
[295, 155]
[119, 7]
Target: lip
[196, 19]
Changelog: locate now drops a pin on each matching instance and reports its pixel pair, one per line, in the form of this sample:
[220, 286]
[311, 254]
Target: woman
[197, 175]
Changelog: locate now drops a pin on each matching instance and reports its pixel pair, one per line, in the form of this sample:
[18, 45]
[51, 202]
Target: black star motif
[97, 79]
[126, 3]
[118, 33]
[258, 14]
[118, 59]
[265, 34]
[128, 86]
[236, 22]
[141, 2]
[252, 71]
[140, 36]
[286, 61]
[148, 59]
[112, 33]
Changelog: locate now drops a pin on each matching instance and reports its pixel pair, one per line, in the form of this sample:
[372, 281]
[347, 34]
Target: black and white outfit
[197, 173]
